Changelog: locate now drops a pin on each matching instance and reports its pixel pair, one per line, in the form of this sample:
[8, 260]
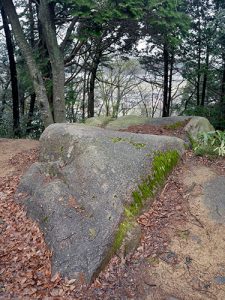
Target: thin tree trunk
[118, 101]
[31, 111]
[22, 101]
[84, 95]
[91, 94]
[3, 97]
[170, 83]
[13, 75]
[26, 51]
[222, 96]
[93, 75]
[198, 79]
[205, 78]
[31, 20]
[56, 60]
[165, 81]
[199, 60]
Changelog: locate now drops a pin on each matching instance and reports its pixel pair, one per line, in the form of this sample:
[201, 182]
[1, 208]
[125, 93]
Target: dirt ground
[181, 255]
[8, 149]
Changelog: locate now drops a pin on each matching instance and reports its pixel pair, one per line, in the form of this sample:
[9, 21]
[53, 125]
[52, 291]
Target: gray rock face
[214, 199]
[79, 189]
[197, 125]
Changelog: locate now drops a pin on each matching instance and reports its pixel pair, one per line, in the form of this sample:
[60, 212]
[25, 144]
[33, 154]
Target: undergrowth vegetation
[210, 143]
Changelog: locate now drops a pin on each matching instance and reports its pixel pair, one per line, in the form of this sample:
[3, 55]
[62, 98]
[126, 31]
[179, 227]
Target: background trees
[69, 60]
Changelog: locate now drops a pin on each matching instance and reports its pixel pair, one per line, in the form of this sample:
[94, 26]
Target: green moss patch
[176, 125]
[162, 165]
[130, 141]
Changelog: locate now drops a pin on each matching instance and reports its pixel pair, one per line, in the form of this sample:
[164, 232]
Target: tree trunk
[170, 83]
[56, 60]
[165, 112]
[205, 78]
[222, 96]
[118, 101]
[93, 75]
[46, 68]
[84, 95]
[31, 112]
[198, 79]
[26, 51]
[13, 75]
[199, 60]
[32, 25]
[91, 94]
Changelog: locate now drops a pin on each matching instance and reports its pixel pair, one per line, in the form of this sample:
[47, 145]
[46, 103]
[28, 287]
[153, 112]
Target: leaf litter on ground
[25, 260]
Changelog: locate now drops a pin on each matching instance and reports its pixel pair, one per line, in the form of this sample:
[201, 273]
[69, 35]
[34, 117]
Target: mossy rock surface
[126, 121]
[88, 188]
[98, 121]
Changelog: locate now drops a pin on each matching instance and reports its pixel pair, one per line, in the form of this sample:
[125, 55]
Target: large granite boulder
[81, 190]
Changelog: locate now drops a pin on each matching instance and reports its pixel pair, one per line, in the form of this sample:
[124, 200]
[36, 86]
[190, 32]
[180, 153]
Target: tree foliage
[64, 51]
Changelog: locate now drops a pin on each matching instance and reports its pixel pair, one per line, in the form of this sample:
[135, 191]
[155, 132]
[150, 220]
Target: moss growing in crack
[118, 139]
[130, 141]
[121, 234]
[45, 219]
[138, 145]
[162, 165]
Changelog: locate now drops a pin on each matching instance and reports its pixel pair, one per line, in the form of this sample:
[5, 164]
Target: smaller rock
[178, 207]
[2, 196]
[188, 260]
[197, 125]
[2, 287]
[196, 239]
[220, 280]
[169, 257]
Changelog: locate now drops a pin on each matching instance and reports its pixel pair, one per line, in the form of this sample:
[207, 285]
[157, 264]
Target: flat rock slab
[80, 188]
[130, 120]
[194, 126]
[214, 199]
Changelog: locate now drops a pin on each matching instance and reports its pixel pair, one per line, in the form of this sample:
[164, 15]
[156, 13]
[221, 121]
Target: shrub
[210, 143]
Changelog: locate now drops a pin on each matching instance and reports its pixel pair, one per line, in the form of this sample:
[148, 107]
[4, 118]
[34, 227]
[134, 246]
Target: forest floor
[181, 255]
